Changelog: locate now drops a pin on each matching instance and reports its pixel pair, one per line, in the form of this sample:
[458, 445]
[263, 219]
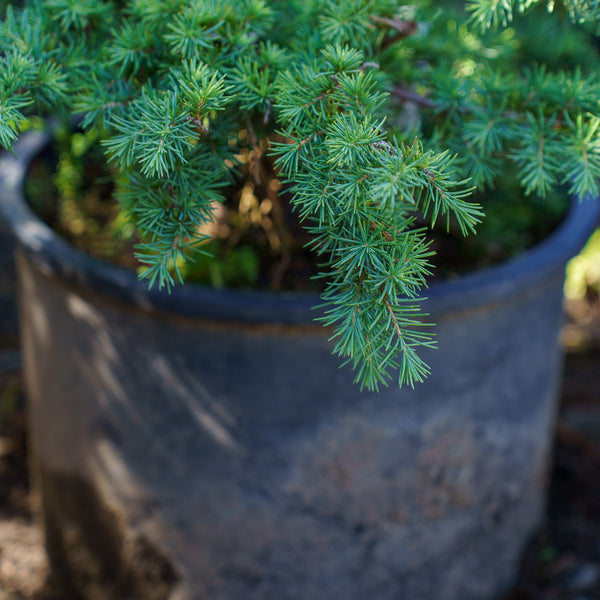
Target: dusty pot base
[252, 479]
[92, 550]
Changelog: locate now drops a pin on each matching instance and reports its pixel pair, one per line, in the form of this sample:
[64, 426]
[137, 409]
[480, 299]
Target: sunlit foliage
[380, 116]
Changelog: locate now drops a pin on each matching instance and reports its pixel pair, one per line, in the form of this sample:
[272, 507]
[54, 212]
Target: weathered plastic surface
[8, 286]
[218, 452]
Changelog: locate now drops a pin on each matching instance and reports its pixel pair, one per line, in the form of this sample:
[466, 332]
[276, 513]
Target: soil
[257, 240]
[562, 562]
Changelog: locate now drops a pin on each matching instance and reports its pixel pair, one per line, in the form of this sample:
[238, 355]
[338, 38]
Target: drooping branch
[403, 29]
[412, 96]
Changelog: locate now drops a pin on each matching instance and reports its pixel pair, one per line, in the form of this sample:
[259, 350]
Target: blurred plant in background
[583, 271]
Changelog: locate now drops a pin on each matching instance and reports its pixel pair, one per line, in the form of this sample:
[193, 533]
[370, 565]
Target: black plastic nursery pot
[206, 445]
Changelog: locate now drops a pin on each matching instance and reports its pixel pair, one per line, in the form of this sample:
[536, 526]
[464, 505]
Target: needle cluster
[181, 93]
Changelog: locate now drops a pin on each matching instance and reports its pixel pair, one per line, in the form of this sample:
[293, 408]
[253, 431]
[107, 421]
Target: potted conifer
[198, 443]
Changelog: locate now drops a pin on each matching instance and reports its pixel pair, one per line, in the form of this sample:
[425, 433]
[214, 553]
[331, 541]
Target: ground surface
[562, 563]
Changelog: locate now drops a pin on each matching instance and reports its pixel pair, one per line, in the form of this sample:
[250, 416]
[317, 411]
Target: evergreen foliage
[183, 93]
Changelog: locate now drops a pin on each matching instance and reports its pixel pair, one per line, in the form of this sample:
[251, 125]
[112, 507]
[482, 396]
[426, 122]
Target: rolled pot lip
[54, 256]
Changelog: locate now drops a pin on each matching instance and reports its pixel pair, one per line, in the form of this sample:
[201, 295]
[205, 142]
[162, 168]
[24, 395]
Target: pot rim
[56, 257]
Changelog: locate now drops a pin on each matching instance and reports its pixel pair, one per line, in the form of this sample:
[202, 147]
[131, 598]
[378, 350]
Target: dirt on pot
[561, 563]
